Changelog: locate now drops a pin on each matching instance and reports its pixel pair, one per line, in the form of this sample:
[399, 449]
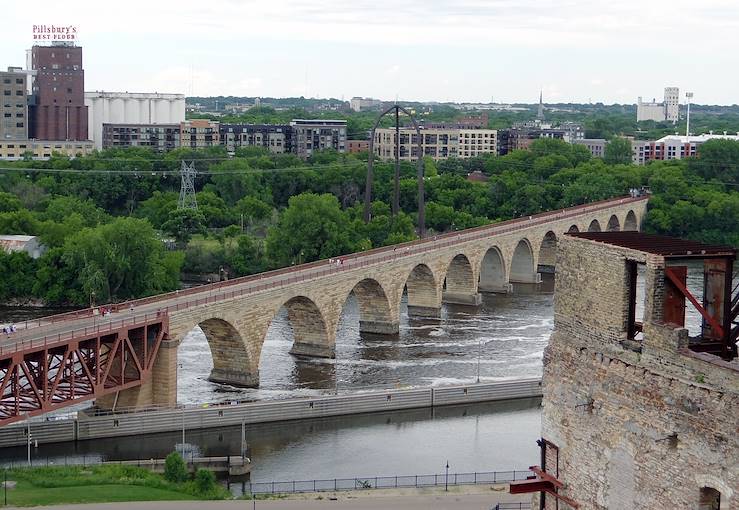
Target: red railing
[350, 261]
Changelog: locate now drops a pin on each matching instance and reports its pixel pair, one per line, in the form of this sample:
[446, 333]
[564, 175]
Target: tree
[618, 152]
[158, 207]
[312, 227]
[9, 202]
[175, 469]
[129, 255]
[183, 223]
[205, 481]
[253, 209]
[246, 258]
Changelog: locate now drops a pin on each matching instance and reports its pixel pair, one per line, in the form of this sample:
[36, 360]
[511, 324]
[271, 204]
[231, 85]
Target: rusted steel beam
[679, 286]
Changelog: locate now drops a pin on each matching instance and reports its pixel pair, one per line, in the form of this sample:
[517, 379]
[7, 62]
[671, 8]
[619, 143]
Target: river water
[503, 338]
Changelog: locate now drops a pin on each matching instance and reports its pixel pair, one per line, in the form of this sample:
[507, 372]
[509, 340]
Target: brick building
[640, 395]
[199, 133]
[275, 137]
[57, 103]
[437, 143]
[158, 137]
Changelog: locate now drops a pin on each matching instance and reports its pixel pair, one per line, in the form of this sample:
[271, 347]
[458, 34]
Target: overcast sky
[461, 50]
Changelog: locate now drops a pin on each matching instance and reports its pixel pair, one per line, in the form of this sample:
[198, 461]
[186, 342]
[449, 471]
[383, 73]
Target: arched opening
[373, 307]
[594, 226]
[548, 253]
[613, 224]
[231, 360]
[630, 223]
[573, 229]
[710, 499]
[492, 272]
[423, 296]
[460, 285]
[212, 350]
[522, 263]
[310, 335]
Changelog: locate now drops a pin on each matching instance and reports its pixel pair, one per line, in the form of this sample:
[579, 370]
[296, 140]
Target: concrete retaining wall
[148, 422]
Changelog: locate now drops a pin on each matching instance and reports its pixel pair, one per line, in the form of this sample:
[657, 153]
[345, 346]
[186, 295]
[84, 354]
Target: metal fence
[512, 506]
[384, 482]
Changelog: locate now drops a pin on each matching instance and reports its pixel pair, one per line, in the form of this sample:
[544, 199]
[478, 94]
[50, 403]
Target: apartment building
[596, 146]
[199, 133]
[310, 136]
[275, 137]
[355, 146]
[13, 108]
[158, 137]
[43, 149]
[437, 143]
[672, 147]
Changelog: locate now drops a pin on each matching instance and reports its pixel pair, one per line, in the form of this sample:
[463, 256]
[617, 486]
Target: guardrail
[512, 506]
[349, 262]
[384, 482]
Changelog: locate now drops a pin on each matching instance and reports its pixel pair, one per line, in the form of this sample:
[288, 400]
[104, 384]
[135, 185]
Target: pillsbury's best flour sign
[55, 32]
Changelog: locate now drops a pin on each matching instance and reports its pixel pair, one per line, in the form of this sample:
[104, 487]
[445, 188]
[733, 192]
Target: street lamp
[446, 478]
[479, 355]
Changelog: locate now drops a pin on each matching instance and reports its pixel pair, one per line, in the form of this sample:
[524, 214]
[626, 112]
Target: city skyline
[471, 51]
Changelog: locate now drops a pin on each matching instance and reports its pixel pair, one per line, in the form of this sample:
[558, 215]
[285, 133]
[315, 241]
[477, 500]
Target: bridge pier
[379, 327]
[495, 287]
[424, 311]
[234, 377]
[313, 350]
[527, 278]
[462, 298]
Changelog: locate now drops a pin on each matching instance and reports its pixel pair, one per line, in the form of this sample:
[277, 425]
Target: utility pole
[28, 434]
[396, 187]
[187, 187]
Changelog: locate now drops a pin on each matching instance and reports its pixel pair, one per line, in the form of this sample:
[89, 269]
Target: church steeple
[540, 113]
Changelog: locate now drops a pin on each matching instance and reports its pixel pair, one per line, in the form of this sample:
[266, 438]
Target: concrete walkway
[480, 497]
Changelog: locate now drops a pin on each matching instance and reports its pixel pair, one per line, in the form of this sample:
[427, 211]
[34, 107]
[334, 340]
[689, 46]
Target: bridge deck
[61, 329]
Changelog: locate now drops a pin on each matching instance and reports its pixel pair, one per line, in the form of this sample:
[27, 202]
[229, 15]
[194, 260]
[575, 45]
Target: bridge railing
[104, 326]
[318, 269]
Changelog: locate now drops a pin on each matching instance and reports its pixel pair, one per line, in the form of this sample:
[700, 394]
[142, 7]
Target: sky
[463, 50]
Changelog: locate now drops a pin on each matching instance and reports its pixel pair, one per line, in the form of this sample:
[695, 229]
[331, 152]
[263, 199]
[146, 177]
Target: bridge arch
[630, 223]
[522, 263]
[548, 250]
[423, 291]
[375, 313]
[461, 284]
[310, 333]
[232, 362]
[493, 272]
[594, 226]
[613, 224]
[573, 229]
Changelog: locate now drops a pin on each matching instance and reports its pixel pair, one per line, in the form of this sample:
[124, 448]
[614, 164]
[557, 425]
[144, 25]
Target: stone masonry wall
[635, 430]
[236, 328]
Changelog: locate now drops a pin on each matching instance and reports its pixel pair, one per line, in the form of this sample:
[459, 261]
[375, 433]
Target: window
[710, 499]
[6, 92]
[19, 124]
[19, 81]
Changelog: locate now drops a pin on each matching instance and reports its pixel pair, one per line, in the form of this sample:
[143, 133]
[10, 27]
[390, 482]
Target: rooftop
[669, 247]
[699, 138]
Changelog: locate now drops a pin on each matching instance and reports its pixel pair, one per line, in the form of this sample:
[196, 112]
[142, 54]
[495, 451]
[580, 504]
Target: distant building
[275, 137]
[596, 146]
[310, 136]
[158, 137]
[437, 143]
[28, 244]
[359, 104]
[43, 149]
[199, 134]
[14, 108]
[668, 110]
[131, 108]
[672, 147]
[354, 146]
[57, 104]
[477, 176]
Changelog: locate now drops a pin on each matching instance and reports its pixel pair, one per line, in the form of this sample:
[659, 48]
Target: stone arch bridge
[236, 315]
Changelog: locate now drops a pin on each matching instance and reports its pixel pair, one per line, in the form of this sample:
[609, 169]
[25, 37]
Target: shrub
[174, 468]
[205, 481]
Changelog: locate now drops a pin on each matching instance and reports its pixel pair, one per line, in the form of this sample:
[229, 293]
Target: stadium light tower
[688, 96]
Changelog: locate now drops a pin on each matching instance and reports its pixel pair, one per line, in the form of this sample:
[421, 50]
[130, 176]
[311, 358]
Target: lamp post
[446, 478]
[28, 434]
[479, 355]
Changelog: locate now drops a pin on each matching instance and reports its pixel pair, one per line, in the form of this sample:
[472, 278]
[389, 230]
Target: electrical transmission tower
[187, 187]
